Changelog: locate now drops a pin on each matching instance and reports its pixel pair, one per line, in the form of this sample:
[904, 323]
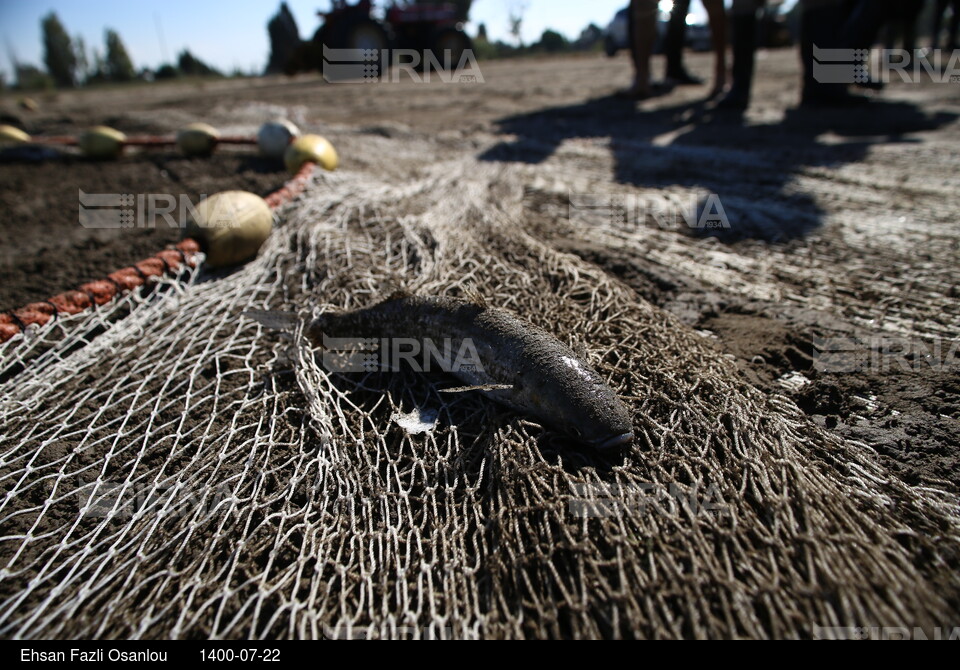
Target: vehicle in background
[698, 37]
[616, 35]
[419, 25]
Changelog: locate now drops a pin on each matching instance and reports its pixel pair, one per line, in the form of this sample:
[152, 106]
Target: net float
[197, 139]
[274, 137]
[101, 142]
[12, 135]
[230, 226]
[312, 149]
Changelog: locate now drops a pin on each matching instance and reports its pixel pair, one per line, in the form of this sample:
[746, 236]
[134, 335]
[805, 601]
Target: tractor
[420, 26]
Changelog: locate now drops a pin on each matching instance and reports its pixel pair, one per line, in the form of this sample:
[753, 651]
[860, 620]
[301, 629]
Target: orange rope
[236, 139]
[292, 188]
[64, 140]
[99, 292]
[161, 141]
[102, 291]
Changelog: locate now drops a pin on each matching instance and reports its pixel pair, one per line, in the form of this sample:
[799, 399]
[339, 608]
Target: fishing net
[172, 469]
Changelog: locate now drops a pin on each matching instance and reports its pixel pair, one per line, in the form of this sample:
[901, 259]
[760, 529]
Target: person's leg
[938, 11]
[822, 26]
[673, 45]
[743, 24]
[718, 39]
[901, 20]
[862, 24]
[910, 27]
[892, 30]
[643, 33]
[954, 25]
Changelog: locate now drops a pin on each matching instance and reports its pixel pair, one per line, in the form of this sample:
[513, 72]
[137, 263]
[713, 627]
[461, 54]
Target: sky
[234, 35]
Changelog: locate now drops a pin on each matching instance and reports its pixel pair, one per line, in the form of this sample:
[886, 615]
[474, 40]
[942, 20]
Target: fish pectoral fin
[273, 320]
[479, 387]
[475, 297]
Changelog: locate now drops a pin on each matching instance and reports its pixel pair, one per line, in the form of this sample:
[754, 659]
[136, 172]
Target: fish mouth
[615, 441]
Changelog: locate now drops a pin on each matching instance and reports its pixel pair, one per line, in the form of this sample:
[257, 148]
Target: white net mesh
[181, 472]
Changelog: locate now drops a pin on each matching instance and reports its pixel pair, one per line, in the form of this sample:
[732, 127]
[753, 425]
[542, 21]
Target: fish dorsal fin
[274, 320]
[478, 387]
[580, 349]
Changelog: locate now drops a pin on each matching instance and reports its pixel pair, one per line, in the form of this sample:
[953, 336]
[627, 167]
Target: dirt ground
[841, 224]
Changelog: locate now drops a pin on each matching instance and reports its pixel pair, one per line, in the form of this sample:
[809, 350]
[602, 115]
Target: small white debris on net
[416, 422]
[793, 381]
[868, 403]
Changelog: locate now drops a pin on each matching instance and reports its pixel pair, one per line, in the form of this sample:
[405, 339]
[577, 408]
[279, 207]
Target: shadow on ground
[749, 166]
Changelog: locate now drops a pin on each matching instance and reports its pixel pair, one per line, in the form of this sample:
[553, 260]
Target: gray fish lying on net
[517, 364]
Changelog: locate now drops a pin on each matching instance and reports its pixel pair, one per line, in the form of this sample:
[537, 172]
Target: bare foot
[719, 86]
[639, 90]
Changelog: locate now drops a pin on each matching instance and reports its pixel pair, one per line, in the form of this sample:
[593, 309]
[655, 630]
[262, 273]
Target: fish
[509, 360]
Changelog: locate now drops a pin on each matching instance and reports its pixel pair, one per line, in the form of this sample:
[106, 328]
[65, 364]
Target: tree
[190, 65]
[98, 70]
[166, 71]
[482, 48]
[118, 65]
[284, 39]
[58, 53]
[30, 77]
[516, 11]
[83, 62]
[551, 41]
[590, 36]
